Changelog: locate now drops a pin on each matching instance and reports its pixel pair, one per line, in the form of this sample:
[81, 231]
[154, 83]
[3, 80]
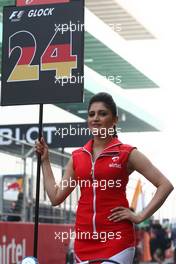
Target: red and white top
[103, 187]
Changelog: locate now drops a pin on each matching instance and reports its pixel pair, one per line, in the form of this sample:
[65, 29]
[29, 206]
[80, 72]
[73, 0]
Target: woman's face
[100, 120]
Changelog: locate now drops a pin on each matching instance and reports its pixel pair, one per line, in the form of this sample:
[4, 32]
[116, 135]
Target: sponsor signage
[55, 134]
[15, 242]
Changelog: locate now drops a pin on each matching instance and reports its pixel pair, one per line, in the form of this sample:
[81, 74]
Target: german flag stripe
[58, 53]
[24, 72]
[26, 55]
[63, 69]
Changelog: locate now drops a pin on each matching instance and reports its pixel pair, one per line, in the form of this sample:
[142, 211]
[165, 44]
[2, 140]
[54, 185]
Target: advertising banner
[16, 242]
[56, 135]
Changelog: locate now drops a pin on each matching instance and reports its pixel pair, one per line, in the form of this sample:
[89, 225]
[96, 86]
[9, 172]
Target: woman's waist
[102, 203]
[103, 225]
[100, 211]
[119, 231]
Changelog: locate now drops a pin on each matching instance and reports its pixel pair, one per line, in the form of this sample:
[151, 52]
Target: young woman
[104, 222]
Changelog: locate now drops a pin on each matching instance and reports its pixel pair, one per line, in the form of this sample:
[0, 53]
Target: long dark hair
[109, 103]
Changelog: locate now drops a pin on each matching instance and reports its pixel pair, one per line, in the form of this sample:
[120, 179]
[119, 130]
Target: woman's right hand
[42, 148]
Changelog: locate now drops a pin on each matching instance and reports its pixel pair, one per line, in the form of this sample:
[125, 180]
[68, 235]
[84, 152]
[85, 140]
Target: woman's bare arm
[57, 193]
[139, 162]
[143, 165]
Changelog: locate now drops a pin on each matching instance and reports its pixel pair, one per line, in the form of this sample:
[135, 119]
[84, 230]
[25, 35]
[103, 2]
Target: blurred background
[129, 53]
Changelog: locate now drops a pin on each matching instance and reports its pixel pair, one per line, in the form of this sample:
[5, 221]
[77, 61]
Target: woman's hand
[42, 148]
[122, 213]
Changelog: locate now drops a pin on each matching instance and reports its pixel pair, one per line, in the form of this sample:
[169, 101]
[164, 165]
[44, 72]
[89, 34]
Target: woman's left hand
[123, 213]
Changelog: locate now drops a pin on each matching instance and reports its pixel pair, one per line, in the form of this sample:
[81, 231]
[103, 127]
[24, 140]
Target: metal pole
[31, 189]
[70, 207]
[38, 185]
[24, 191]
[24, 180]
[62, 164]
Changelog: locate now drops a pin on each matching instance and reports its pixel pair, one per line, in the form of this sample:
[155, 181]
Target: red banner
[16, 242]
[39, 2]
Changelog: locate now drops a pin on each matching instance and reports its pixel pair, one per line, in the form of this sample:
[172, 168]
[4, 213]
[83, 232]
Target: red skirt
[88, 249]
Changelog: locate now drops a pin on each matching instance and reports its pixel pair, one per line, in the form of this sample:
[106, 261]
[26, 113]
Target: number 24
[56, 57]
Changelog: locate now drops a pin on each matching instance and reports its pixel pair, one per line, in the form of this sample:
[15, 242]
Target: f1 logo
[16, 15]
